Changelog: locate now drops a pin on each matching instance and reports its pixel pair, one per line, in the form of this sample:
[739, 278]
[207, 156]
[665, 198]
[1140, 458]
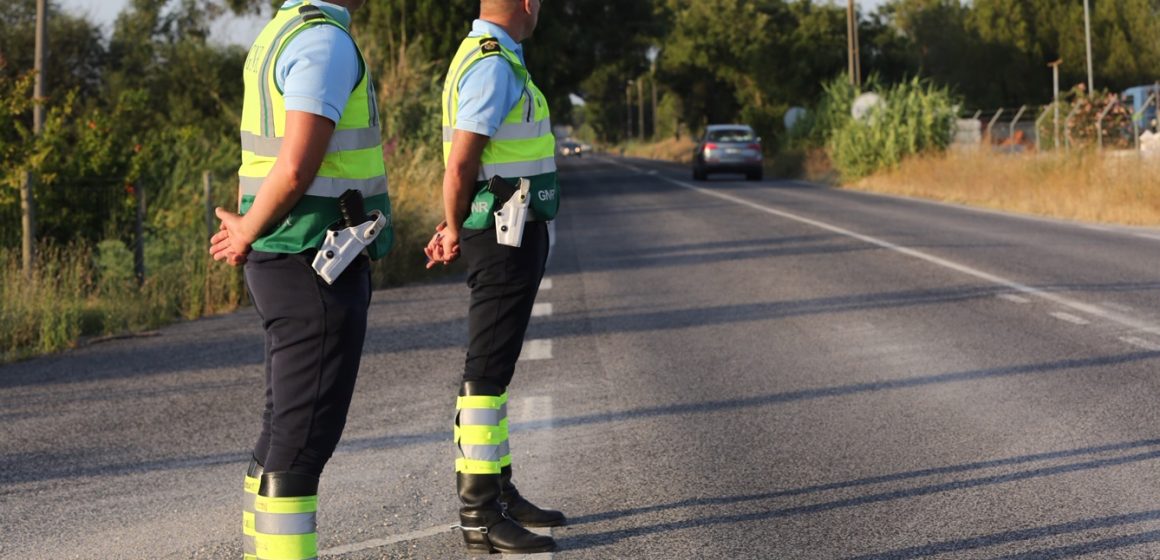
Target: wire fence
[93, 209]
[1113, 122]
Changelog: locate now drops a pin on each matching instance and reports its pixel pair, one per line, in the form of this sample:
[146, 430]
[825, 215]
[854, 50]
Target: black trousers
[314, 342]
[503, 281]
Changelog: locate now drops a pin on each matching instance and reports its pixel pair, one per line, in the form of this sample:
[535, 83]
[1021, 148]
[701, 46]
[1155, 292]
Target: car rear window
[731, 135]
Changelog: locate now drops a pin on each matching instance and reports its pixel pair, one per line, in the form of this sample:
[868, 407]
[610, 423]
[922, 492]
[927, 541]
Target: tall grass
[1084, 185]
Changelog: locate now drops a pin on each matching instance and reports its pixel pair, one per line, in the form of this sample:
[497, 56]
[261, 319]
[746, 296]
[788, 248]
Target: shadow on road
[1020, 535]
[704, 518]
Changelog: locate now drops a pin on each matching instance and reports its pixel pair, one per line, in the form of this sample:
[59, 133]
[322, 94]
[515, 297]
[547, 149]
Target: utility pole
[640, 106]
[854, 66]
[1087, 24]
[628, 111]
[27, 201]
[654, 104]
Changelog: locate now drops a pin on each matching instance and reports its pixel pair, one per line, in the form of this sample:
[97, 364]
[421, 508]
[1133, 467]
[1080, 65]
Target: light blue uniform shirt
[320, 66]
[490, 88]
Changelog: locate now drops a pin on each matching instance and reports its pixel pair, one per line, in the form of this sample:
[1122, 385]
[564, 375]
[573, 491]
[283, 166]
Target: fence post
[1100, 122]
[992, 123]
[209, 215]
[139, 245]
[1014, 121]
[1067, 124]
[27, 224]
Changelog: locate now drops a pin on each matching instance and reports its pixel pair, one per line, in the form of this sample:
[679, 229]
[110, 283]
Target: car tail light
[755, 147]
[710, 146]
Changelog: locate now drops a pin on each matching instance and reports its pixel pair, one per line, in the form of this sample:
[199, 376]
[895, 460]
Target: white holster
[511, 217]
[341, 246]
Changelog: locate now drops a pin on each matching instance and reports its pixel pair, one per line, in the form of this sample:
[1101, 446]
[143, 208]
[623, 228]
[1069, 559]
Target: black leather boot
[485, 526]
[520, 509]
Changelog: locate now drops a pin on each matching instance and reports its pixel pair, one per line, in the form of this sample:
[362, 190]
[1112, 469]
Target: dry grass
[670, 149]
[1085, 187]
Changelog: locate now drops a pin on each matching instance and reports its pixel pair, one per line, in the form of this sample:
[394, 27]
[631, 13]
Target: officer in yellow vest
[495, 123]
[312, 177]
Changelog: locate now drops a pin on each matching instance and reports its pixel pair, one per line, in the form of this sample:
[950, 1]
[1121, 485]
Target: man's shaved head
[498, 6]
[519, 17]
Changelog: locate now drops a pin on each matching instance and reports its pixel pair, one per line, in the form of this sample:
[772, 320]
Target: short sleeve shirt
[490, 88]
[319, 67]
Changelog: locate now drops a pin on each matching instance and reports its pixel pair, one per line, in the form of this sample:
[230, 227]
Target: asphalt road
[720, 370]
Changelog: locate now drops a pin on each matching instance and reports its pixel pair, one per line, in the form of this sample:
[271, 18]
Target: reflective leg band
[506, 459]
[286, 528]
[249, 549]
[481, 434]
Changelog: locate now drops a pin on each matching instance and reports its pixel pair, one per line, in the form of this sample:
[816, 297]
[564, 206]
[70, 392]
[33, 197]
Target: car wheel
[754, 175]
[698, 174]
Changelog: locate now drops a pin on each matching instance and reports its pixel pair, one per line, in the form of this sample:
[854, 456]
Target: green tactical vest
[522, 147]
[354, 159]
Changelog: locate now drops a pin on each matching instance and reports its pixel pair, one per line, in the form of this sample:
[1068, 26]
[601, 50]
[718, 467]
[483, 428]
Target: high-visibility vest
[354, 158]
[522, 147]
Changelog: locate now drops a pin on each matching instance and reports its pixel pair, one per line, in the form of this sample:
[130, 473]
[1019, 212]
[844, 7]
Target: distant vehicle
[570, 148]
[728, 148]
[1135, 98]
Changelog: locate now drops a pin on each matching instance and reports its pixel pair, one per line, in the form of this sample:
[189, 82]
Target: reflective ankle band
[481, 434]
[286, 528]
[249, 550]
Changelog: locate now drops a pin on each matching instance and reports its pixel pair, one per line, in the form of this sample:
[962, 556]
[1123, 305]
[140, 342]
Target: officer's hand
[450, 245]
[232, 243]
[438, 251]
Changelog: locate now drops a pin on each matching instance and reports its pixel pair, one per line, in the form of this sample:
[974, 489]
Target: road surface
[719, 369]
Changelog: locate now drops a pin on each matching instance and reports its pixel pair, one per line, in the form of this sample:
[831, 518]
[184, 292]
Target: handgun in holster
[347, 238]
[511, 217]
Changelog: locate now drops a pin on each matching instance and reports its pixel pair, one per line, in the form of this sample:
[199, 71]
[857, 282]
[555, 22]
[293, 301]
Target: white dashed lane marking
[539, 349]
[1014, 298]
[1070, 318]
[542, 310]
[546, 284]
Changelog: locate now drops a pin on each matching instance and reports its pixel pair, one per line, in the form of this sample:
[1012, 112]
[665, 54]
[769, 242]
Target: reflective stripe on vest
[522, 147]
[353, 160]
[341, 141]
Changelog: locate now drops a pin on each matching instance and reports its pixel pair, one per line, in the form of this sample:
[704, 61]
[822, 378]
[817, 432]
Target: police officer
[495, 123]
[310, 133]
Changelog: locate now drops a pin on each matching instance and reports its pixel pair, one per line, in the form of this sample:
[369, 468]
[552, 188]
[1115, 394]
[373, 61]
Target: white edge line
[1141, 343]
[1109, 228]
[1089, 309]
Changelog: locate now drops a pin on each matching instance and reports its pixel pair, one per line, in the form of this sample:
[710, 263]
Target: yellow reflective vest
[354, 159]
[523, 146]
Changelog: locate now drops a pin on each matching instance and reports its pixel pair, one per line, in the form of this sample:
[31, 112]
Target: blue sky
[242, 30]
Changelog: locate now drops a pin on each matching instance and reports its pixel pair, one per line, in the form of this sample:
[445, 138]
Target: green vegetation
[911, 118]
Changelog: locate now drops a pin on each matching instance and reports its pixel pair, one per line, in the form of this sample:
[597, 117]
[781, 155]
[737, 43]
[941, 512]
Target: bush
[913, 118]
